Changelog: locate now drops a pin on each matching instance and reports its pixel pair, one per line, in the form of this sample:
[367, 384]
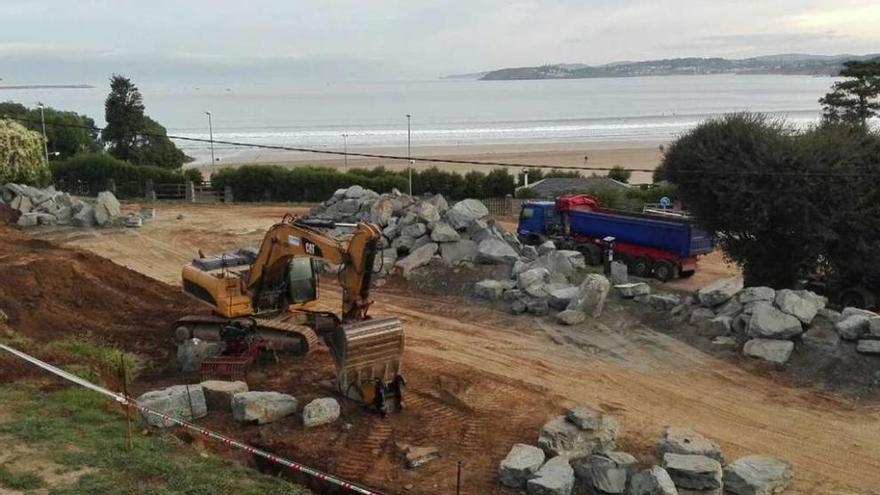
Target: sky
[83, 41]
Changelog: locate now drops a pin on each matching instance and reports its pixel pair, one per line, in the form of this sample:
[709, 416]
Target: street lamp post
[211, 136]
[345, 149]
[409, 149]
[45, 139]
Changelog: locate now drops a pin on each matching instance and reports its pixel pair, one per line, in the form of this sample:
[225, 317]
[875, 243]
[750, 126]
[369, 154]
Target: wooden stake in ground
[124, 375]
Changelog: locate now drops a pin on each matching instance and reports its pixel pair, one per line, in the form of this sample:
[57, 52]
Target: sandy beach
[631, 155]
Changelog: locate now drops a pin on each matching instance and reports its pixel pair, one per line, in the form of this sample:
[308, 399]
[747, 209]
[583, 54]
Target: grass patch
[19, 481]
[77, 428]
[108, 359]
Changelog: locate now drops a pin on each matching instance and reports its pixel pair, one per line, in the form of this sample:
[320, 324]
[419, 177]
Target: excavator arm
[293, 237]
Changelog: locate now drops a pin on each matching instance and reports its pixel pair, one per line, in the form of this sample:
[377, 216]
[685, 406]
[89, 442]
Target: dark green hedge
[314, 184]
[88, 173]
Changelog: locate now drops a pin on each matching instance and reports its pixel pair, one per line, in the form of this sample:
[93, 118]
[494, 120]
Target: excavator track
[285, 332]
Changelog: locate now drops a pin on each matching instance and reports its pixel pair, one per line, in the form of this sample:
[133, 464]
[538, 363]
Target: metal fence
[503, 207]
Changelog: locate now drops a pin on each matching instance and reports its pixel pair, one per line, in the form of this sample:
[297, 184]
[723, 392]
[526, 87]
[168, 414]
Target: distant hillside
[788, 64]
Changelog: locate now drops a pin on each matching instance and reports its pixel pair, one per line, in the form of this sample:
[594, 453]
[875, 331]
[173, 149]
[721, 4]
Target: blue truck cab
[538, 220]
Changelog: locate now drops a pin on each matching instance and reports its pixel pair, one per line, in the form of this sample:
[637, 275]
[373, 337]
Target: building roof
[556, 186]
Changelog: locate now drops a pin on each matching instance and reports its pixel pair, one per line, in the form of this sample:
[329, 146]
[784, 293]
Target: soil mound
[50, 292]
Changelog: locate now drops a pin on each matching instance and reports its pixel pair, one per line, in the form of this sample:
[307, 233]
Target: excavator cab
[302, 284]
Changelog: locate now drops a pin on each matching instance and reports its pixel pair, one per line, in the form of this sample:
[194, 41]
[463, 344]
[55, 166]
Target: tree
[133, 136]
[124, 112]
[67, 133]
[857, 98]
[21, 155]
[783, 204]
[619, 174]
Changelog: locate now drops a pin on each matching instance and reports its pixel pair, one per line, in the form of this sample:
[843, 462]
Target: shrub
[21, 155]
[94, 170]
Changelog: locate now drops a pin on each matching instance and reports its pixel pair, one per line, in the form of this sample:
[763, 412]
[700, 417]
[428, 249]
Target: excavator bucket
[368, 362]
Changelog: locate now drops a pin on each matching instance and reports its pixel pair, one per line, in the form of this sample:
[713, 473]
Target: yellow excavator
[270, 301]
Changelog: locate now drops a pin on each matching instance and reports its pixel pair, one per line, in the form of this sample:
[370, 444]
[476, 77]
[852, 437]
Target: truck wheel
[665, 271]
[639, 266]
[857, 297]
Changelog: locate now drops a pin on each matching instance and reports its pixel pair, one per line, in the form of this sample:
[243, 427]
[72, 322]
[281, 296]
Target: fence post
[227, 194]
[190, 192]
[149, 190]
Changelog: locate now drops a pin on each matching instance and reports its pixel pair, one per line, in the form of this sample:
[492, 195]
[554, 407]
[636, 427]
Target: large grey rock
[443, 232]
[414, 230]
[571, 317]
[830, 315]
[719, 292]
[584, 417]
[770, 323]
[106, 208]
[191, 353]
[693, 472]
[821, 335]
[731, 308]
[418, 257]
[186, 402]
[849, 311]
[262, 407]
[701, 316]
[495, 251]
[757, 475]
[773, 350]
[607, 472]
[384, 261]
[563, 262]
[853, 327]
[591, 295]
[619, 274]
[218, 393]
[454, 253]
[654, 481]
[753, 294]
[555, 477]
[427, 212]
[685, 441]
[382, 211]
[354, 192]
[439, 202]
[560, 298]
[717, 327]
[546, 247]
[488, 289]
[320, 412]
[521, 463]
[531, 277]
[538, 307]
[28, 220]
[562, 437]
[802, 308]
[465, 212]
[868, 346]
[629, 291]
[662, 302]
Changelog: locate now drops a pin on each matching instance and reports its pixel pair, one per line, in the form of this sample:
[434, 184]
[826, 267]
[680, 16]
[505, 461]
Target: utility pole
[45, 139]
[409, 149]
[211, 135]
[345, 149]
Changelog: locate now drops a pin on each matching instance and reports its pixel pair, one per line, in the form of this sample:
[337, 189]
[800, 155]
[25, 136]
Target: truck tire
[857, 297]
[665, 271]
[639, 266]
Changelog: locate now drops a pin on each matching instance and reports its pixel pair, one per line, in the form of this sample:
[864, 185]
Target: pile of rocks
[547, 279]
[50, 207]
[577, 451]
[766, 323]
[417, 230]
[189, 402]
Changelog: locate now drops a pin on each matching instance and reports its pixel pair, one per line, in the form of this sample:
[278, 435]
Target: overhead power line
[483, 163]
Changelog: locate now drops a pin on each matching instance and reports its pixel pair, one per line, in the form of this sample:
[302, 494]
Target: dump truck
[663, 246]
[266, 301]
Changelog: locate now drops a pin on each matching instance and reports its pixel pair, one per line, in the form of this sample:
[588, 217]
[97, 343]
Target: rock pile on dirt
[767, 324]
[688, 463]
[419, 230]
[50, 207]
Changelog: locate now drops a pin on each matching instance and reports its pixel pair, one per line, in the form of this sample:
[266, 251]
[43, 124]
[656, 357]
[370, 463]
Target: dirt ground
[481, 379]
